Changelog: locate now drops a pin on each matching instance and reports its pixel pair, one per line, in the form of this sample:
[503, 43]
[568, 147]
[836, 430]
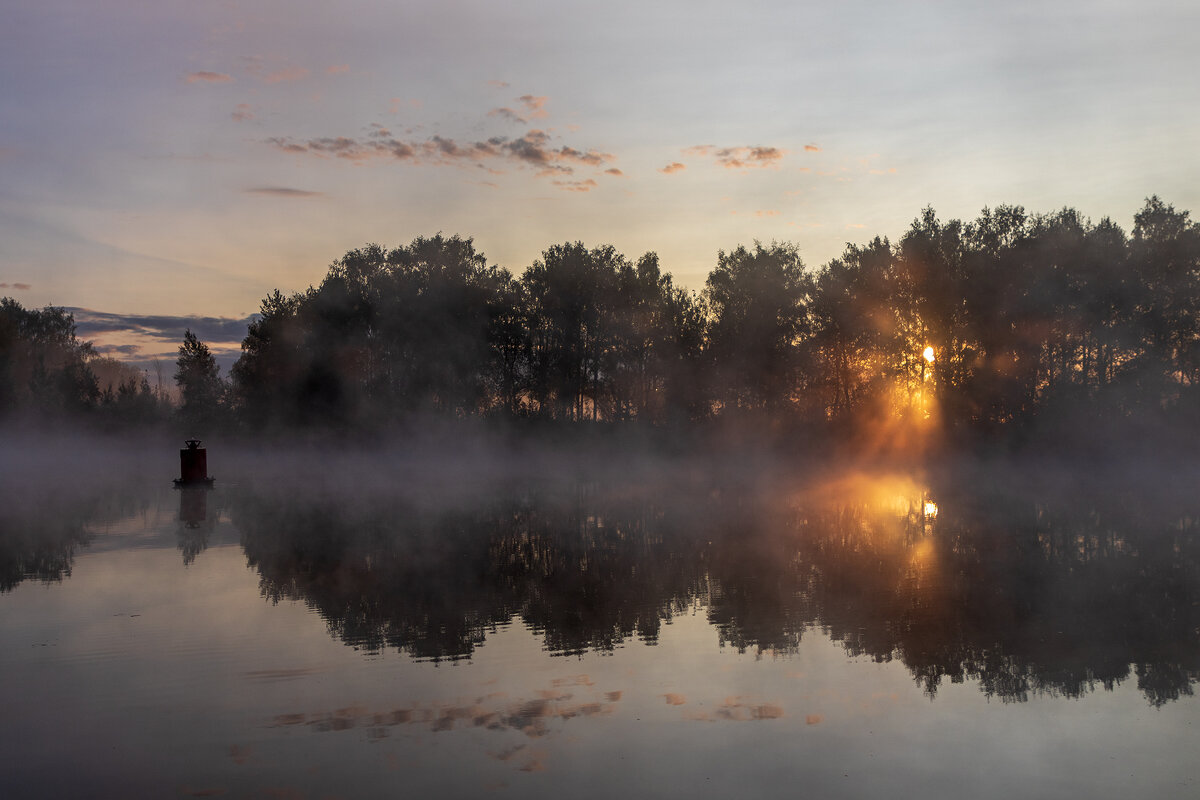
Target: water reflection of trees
[37, 544]
[1019, 593]
[584, 570]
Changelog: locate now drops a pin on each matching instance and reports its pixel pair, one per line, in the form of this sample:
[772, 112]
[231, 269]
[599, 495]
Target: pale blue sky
[180, 158]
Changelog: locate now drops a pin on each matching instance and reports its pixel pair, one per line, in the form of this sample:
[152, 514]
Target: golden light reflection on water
[901, 496]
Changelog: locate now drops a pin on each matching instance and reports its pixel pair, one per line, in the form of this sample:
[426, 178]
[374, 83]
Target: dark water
[657, 631]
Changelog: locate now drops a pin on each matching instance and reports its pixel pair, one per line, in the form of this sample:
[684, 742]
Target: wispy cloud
[507, 114]
[811, 148]
[89, 323]
[287, 74]
[337, 69]
[535, 149]
[397, 103]
[117, 349]
[23, 287]
[756, 157]
[498, 84]
[673, 167]
[767, 213]
[242, 112]
[535, 107]
[208, 77]
[614, 171]
[576, 186]
[282, 191]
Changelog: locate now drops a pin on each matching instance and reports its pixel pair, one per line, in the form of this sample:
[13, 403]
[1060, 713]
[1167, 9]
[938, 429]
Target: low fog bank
[442, 462]
[1029, 576]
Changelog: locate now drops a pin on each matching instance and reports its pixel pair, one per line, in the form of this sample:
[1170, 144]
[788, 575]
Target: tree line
[1010, 325]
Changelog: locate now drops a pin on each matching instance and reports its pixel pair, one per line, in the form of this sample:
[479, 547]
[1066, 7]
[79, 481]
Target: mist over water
[541, 616]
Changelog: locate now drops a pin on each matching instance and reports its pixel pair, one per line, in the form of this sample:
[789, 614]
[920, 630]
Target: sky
[167, 163]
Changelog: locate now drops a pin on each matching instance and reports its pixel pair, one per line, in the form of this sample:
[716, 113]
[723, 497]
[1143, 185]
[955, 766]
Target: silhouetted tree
[200, 388]
[760, 306]
[43, 367]
[572, 291]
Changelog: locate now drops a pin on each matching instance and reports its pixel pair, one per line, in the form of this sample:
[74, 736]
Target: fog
[1024, 576]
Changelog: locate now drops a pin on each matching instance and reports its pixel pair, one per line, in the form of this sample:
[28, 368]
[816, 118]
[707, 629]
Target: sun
[928, 354]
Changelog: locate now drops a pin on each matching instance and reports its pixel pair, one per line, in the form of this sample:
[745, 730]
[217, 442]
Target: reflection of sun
[930, 508]
[928, 354]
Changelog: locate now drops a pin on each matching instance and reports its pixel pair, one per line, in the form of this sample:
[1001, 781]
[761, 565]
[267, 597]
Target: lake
[466, 628]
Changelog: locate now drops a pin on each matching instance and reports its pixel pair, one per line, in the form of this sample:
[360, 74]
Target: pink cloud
[675, 699]
[338, 69]
[507, 114]
[398, 102]
[614, 171]
[576, 186]
[673, 167]
[208, 77]
[534, 106]
[498, 84]
[770, 213]
[282, 191]
[535, 149]
[811, 148]
[747, 157]
[289, 74]
[19, 286]
[242, 112]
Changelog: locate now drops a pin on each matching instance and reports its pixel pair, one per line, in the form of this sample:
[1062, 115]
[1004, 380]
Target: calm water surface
[851, 635]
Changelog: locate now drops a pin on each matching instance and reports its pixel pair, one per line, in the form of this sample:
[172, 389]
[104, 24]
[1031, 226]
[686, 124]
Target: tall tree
[200, 388]
[43, 366]
[760, 304]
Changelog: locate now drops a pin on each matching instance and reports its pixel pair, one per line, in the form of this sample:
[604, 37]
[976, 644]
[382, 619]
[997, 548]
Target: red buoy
[193, 465]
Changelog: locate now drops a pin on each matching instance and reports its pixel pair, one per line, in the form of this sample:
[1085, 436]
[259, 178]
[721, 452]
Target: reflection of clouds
[577, 680]
[284, 793]
[766, 712]
[282, 674]
[733, 709]
[240, 754]
[532, 760]
[531, 717]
